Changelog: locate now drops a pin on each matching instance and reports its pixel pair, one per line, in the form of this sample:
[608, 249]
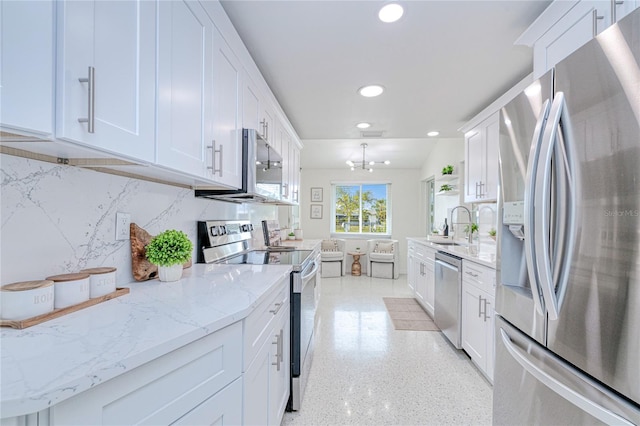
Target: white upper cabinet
[481, 161]
[26, 76]
[251, 112]
[106, 57]
[227, 118]
[566, 25]
[185, 87]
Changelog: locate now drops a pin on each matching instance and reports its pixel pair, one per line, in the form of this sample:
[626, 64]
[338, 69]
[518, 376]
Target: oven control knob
[223, 230]
[214, 231]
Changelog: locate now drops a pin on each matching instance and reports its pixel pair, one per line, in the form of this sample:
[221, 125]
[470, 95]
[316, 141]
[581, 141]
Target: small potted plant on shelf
[492, 234]
[292, 235]
[446, 188]
[169, 250]
[447, 170]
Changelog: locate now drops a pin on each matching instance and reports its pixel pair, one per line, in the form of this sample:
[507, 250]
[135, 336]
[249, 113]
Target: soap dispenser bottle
[445, 228]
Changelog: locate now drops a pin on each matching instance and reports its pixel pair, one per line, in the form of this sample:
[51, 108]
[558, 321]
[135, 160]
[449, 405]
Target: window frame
[367, 235]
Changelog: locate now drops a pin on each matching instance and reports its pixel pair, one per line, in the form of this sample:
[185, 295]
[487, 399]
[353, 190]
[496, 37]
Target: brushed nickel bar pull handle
[91, 89]
[486, 317]
[615, 3]
[479, 306]
[266, 133]
[595, 21]
[213, 149]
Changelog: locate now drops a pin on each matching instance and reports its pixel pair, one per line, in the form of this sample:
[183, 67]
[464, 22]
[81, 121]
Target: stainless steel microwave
[261, 174]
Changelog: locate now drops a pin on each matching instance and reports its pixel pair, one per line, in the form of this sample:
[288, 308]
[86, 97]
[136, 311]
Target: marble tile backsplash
[58, 219]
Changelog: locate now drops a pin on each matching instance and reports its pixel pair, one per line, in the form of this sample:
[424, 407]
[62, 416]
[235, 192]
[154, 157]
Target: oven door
[303, 313]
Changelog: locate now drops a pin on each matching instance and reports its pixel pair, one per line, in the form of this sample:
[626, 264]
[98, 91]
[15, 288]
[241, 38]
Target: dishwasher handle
[447, 265]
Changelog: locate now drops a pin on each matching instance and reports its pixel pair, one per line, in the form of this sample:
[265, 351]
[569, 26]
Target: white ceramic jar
[26, 299]
[70, 289]
[103, 281]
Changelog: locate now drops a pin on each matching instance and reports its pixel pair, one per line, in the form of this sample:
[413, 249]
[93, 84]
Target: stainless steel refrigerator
[568, 299]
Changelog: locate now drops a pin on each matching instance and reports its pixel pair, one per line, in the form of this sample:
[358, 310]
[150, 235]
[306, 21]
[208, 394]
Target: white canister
[26, 299]
[298, 233]
[70, 289]
[103, 280]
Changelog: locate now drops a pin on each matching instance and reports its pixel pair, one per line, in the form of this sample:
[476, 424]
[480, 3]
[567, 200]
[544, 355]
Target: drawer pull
[472, 274]
[277, 309]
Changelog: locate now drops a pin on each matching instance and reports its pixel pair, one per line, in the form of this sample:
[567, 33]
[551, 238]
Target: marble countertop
[485, 254]
[48, 363]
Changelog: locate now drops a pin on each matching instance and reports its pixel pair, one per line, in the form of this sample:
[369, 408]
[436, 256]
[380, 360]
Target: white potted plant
[169, 250]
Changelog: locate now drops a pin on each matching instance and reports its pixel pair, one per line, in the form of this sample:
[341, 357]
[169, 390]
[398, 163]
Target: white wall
[446, 151]
[60, 219]
[405, 189]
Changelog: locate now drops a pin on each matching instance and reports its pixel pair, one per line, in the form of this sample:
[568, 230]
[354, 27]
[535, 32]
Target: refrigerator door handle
[542, 198]
[529, 193]
[571, 395]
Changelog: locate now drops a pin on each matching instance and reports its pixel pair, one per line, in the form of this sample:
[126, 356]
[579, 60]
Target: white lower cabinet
[165, 390]
[478, 303]
[266, 379]
[421, 277]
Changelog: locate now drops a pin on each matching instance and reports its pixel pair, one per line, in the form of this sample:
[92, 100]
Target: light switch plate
[123, 220]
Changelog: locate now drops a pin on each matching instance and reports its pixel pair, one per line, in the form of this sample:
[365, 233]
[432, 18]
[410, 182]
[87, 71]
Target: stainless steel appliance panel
[599, 307]
[518, 121]
[533, 386]
[303, 313]
[448, 297]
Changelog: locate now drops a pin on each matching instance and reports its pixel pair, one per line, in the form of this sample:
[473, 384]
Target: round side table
[356, 268]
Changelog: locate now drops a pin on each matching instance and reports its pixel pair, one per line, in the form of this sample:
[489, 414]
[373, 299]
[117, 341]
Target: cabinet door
[251, 113]
[26, 76]
[109, 47]
[473, 328]
[185, 87]
[489, 189]
[411, 271]
[283, 143]
[267, 125]
[280, 372]
[430, 284]
[421, 282]
[583, 22]
[473, 165]
[223, 408]
[256, 387]
[227, 127]
[295, 172]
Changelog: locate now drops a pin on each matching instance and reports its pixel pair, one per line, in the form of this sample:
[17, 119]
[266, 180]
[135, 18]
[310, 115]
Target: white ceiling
[441, 64]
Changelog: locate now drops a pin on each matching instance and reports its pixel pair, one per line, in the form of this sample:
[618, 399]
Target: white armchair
[384, 258]
[332, 255]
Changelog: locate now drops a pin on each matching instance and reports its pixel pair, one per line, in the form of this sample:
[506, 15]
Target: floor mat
[407, 314]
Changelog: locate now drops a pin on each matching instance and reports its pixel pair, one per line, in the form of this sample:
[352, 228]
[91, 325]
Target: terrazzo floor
[366, 373]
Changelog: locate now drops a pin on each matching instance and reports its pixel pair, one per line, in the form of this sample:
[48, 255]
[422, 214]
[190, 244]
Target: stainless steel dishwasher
[448, 297]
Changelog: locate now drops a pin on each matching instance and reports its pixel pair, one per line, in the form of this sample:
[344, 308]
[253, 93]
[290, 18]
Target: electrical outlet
[123, 220]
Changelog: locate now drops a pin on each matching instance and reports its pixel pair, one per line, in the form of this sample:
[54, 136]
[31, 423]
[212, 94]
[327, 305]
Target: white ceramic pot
[70, 289]
[103, 281]
[26, 299]
[170, 273]
[298, 233]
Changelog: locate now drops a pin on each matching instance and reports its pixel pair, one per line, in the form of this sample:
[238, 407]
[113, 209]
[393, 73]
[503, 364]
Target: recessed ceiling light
[371, 91]
[391, 12]
[363, 125]
[434, 133]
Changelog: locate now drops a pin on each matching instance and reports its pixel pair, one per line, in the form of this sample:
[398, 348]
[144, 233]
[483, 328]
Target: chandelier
[365, 165]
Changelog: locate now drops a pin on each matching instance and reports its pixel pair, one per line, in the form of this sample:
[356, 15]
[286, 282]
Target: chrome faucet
[470, 222]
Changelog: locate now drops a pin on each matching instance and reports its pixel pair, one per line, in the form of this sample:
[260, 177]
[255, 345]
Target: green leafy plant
[446, 187]
[447, 170]
[474, 228]
[492, 232]
[169, 248]
[292, 234]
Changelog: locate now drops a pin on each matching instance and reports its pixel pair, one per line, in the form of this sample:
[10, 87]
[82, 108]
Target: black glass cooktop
[263, 257]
